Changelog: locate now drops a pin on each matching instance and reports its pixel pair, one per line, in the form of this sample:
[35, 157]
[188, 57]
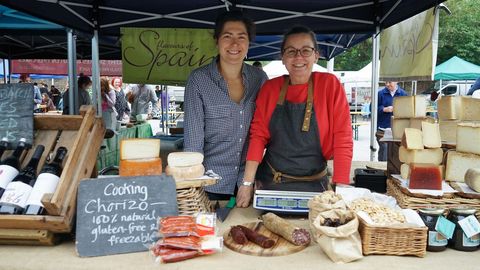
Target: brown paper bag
[342, 244]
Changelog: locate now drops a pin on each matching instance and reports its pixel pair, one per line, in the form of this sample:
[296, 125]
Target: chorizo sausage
[287, 230]
[257, 238]
[238, 236]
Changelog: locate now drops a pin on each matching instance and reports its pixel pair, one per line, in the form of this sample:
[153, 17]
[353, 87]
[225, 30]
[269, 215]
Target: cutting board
[281, 247]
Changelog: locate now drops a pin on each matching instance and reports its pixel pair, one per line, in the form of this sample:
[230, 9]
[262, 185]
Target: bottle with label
[10, 166]
[16, 193]
[3, 145]
[46, 183]
[436, 241]
[459, 240]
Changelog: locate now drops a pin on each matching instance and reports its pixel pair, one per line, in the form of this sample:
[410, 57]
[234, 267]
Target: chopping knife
[222, 212]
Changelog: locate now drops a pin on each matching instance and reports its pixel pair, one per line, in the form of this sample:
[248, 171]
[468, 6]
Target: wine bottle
[16, 193]
[3, 145]
[46, 183]
[10, 166]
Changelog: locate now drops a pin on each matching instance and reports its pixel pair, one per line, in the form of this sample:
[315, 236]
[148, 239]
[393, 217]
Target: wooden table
[355, 123]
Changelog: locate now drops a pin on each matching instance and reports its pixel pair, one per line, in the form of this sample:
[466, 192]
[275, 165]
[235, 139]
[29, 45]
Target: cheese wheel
[184, 159]
[136, 167]
[139, 148]
[398, 127]
[468, 138]
[432, 155]
[470, 108]
[449, 108]
[472, 178]
[184, 173]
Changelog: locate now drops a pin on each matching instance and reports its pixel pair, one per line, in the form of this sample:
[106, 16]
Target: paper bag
[328, 200]
[342, 244]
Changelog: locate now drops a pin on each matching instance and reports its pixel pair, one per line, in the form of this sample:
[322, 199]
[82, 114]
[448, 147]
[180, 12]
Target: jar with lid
[459, 240]
[436, 241]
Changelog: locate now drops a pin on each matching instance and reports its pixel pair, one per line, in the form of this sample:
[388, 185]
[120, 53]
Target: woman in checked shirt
[219, 105]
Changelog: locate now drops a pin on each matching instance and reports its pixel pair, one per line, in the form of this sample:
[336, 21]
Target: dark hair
[234, 16]
[257, 64]
[83, 80]
[299, 29]
[104, 85]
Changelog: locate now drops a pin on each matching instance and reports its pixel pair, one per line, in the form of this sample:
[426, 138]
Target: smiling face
[232, 43]
[117, 83]
[299, 67]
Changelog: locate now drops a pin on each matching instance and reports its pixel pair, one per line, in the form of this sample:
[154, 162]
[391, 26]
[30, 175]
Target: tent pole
[4, 71]
[72, 74]
[9, 69]
[330, 65]
[374, 94]
[96, 94]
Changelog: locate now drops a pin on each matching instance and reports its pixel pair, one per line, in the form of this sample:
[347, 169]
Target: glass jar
[459, 240]
[436, 241]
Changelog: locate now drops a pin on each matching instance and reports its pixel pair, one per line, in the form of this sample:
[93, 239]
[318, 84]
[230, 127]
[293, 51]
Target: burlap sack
[342, 244]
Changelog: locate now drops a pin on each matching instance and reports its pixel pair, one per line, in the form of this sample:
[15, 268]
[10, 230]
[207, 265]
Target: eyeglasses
[292, 52]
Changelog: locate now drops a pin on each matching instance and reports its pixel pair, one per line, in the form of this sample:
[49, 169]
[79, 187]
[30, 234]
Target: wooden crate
[82, 135]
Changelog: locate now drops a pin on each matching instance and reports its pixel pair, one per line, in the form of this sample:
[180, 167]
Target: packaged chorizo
[202, 224]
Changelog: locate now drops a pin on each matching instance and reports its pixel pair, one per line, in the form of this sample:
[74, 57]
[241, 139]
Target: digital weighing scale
[282, 201]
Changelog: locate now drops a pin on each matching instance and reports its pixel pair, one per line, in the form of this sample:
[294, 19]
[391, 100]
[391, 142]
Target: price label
[470, 226]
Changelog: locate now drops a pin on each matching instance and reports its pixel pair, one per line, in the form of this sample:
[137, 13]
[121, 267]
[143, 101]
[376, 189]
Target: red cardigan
[332, 113]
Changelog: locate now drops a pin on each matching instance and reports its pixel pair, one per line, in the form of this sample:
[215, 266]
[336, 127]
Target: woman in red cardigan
[302, 120]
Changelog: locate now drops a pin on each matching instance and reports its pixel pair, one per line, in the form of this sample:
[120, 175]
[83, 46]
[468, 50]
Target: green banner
[164, 55]
[409, 49]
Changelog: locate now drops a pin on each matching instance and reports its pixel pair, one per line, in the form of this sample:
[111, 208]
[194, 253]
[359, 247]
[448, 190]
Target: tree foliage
[460, 32]
[354, 58]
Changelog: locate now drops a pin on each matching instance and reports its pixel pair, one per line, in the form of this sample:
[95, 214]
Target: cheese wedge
[137, 167]
[449, 108]
[433, 155]
[431, 135]
[398, 127]
[184, 173]
[458, 163]
[425, 176]
[184, 159]
[468, 138]
[405, 171]
[412, 139]
[417, 122]
[139, 148]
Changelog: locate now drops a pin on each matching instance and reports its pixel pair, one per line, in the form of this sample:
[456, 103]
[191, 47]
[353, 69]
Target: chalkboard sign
[119, 214]
[16, 112]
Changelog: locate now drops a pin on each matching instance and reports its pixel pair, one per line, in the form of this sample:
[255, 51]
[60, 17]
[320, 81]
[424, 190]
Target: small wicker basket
[193, 200]
[393, 241]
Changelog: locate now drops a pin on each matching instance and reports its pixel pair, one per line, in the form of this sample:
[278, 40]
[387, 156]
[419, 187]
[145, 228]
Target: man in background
[385, 112]
[475, 86]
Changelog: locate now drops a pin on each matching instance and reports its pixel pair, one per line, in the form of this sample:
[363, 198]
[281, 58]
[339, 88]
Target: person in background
[37, 95]
[55, 94]
[257, 64]
[219, 104]
[140, 97]
[302, 120]
[366, 108]
[121, 105]
[475, 86]
[385, 112]
[47, 102]
[109, 114]
[43, 88]
[84, 82]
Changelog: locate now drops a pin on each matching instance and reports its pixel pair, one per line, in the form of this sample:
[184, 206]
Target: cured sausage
[287, 230]
[238, 235]
[257, 238]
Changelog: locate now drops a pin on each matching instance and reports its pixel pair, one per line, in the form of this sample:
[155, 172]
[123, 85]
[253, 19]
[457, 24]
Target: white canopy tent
[276, 69]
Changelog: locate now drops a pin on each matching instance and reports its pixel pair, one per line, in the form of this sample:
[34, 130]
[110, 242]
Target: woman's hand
[244, 196]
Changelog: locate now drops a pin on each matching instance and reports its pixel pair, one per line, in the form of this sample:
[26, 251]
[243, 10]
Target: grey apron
[294, 160]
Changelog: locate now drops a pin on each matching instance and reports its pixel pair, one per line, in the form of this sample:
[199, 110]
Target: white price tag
[470, 226]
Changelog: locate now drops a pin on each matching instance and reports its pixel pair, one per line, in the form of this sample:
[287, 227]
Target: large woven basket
[407, 201]
[193, 200]
[393, 241]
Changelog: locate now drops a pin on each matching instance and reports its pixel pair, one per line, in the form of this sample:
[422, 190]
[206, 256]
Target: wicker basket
[192, 200]
[393, 241]
[407, 201]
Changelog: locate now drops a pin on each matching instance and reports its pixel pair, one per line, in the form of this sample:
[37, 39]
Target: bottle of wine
[10, 166]
[46, 183]
[16, 193]
[3, 145]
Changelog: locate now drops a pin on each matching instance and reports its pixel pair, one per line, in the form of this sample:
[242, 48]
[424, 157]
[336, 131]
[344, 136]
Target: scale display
[283, 201]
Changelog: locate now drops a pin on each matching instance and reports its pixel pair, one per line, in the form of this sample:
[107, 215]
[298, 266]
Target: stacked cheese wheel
[185, 165]
[140, 157]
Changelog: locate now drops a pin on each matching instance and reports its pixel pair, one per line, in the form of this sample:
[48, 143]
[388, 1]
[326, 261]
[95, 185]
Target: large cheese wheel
[468, 138]
[449, 108]
[433, 155]
[184, 159]
[136, 167]
[183, 173]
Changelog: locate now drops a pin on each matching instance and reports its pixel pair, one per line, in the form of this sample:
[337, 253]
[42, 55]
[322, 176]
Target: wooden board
[281, 247]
